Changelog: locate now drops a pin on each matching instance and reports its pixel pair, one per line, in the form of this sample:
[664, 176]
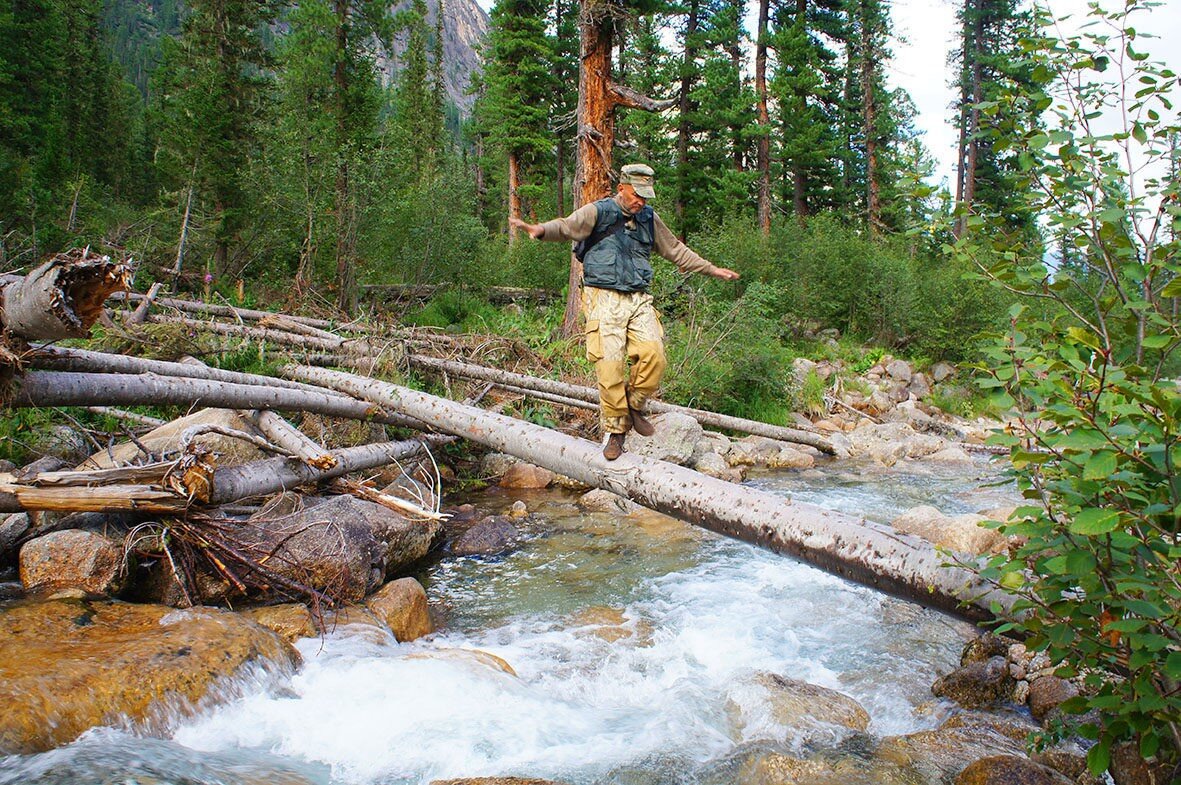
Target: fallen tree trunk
[141, 420]
[144, 489]
[244, 314]
[84, 361]
[62, 298]
[871, 554]
[53, 388]
[712, 419]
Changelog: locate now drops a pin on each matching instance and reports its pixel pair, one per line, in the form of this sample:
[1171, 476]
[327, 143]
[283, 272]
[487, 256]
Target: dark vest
[621, 261]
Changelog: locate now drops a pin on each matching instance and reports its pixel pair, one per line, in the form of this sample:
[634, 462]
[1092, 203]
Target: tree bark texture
[868, 553]
[514, 194]
[244, 314]
[764, 140]
[63, 297]
[466, 370]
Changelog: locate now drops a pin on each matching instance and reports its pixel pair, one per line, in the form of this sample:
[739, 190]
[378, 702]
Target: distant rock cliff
[464, 27]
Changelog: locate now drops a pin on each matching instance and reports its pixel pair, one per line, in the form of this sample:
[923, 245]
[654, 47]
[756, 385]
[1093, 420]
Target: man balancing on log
[614, 239]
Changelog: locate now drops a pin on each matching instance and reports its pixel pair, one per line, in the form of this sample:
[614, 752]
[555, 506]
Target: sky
[925, 31]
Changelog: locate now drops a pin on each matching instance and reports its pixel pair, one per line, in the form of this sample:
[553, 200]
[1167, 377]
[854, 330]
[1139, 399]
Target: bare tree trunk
[596, 132]
[685, 107]
[346, 281]
[61, 388]
[184, 230]
[497, 376]
[856, 549]
[140, 315]
[514, 195]
[247, 314]
[561, 175]
[764, 141]
[869, 62]
[62, 298]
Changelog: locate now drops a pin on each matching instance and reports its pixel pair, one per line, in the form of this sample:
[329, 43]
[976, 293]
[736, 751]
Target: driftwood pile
[190, 483]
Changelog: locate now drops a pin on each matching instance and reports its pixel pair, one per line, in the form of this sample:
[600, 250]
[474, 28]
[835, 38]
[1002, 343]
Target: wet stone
[978, 684]
[1009, 770]
[492, 536]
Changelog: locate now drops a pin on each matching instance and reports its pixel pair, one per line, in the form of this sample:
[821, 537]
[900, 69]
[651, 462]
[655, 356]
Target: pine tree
[210, 94]
[989, 62]
[418, 115]
[518, 85]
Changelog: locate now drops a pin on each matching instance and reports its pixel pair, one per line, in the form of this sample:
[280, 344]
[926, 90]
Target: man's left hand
[725, 274]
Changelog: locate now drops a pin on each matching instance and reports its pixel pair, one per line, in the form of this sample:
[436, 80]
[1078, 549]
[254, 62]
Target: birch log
[712, 419]
[52, 388]
[62, 298]
[862, 551]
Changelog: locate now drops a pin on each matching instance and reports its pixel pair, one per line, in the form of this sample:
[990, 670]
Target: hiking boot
[641, 424]
[614, 447]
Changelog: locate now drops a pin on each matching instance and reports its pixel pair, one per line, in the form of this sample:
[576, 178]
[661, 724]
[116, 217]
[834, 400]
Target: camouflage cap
[640, 177]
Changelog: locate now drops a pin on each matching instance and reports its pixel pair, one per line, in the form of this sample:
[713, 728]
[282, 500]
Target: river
[635, 641]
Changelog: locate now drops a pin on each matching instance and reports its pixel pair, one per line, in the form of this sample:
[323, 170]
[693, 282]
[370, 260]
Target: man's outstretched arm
[684, 257]
[574, 227]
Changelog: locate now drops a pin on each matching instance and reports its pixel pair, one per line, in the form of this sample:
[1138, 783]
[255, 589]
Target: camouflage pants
[622, 326]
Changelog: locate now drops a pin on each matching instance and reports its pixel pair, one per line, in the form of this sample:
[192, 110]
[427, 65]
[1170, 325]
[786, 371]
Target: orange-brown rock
[1009, 770]
[291, 621]
[496, 781]
[476, 657]
[526, 475]
[402, 605]
[71, 559]
[70, 665]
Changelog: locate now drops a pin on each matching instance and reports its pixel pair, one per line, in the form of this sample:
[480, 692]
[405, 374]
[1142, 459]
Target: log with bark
[176, 487]
[862, 551]
[63, 297]
[494, 294]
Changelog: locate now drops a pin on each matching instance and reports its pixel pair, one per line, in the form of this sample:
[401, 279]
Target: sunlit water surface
[633, 640]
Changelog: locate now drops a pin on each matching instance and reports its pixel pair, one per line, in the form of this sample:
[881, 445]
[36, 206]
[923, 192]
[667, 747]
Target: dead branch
[63, 297]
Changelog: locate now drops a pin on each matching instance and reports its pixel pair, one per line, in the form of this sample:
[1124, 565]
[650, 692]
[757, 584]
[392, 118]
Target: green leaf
[1144, 608]
[1173, 665]
[1138, 133]
[1092, 521]
[1080, 563]
[1157, 341]
[1099, 466]
[1099, 757]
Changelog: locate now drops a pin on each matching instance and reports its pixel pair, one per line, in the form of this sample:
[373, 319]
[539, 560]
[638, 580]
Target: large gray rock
[900, 370]
[12, 528]
[72, 559]
[939, 755]
[675, 439]
[807, 709]
[715, 465]
[942, 371]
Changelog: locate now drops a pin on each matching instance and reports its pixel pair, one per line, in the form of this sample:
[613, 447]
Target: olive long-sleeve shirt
[579, 225]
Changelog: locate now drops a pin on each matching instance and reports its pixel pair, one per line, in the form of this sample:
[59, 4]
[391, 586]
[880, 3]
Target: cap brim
[645, 191]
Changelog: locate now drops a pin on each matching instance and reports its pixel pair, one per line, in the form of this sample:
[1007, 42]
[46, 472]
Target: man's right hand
[533, 230]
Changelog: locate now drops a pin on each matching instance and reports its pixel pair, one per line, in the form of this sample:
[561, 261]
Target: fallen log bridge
[868, 553]
[590, 395]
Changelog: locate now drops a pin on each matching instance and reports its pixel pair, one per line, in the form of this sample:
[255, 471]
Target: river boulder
[805, 709]
[977, 685]
[12, 528]
[72, 559]
[402, 605]
[70, 665]
[1009, 770]
[823, 769]
[675, 439]
[959, 533]
[492, 536]
[526, 475]
[291, 621]
[496, 781]
[1047, 693]
[941, 754]
[602, 500]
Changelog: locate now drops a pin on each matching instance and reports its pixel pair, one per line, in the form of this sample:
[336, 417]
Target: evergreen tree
[210, 94]
[418, 117]
[518, 85]
[989, 63]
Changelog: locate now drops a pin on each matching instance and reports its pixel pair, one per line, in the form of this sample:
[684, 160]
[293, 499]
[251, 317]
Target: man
[618, 235]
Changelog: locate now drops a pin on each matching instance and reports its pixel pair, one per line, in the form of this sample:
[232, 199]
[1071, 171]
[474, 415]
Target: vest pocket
[594, 341]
